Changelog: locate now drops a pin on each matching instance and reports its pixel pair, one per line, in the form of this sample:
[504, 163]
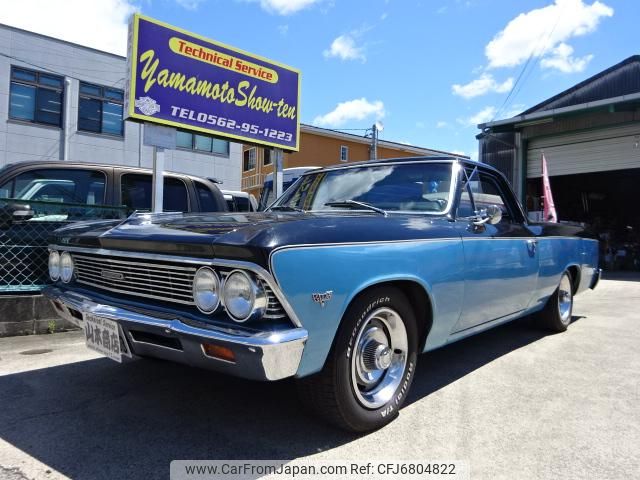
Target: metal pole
[375, 141]
[278, 176]
[158, 182]
[373, 154]
[67, 118]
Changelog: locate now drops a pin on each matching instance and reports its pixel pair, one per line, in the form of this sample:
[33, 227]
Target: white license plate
[103, 336]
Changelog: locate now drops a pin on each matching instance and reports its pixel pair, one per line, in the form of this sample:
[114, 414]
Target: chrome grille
[163, 281]
[274, 309]
[160, 281]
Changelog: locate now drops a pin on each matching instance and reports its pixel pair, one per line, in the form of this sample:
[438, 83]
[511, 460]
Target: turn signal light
[219, 352]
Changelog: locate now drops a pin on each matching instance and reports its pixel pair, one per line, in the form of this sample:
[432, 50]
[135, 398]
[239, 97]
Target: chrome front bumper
[264, 355]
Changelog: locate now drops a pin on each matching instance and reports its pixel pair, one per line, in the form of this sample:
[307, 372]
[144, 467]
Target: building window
[100, 109]
[201, 143]
[266, 158]
[344, 153]
[36, 97]
[249, 160]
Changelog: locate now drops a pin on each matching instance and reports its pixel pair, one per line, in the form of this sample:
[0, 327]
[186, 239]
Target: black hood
[250, 236]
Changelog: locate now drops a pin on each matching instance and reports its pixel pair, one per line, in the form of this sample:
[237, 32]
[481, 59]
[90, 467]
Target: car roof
[424, 159]
[236, 193]
[65, 164]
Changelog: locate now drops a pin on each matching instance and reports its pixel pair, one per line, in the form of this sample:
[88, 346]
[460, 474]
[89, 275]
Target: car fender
[320, 281]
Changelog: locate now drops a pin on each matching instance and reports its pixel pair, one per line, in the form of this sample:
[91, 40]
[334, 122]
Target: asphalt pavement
[514, 402]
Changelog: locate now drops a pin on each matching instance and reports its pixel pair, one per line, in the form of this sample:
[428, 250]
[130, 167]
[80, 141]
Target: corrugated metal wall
[498, 150]
[588, 151]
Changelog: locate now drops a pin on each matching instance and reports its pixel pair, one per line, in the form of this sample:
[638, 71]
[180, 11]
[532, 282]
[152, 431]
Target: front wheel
[371, 365]
[556, 314]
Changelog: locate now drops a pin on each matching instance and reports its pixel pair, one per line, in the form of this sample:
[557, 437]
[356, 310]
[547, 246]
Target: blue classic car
[351, 274]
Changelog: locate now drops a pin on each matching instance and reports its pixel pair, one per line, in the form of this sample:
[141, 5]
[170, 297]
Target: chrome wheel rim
[379, 358]
[565, 299]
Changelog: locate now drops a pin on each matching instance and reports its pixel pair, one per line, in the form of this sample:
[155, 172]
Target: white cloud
[100, 24]
[384, 16]
[485, 115]
[540, 32]
[441, 124]
[357, 109]
[561, 59]
[285, 7]
[482, 85]
[189, 4]
[419, 124]
[345, 48]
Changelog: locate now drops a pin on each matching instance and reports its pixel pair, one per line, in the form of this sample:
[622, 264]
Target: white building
[63, 101]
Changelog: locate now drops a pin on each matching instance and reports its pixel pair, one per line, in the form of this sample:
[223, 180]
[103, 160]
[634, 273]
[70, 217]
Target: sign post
[278, 176]
[157, 196]
[159, 138]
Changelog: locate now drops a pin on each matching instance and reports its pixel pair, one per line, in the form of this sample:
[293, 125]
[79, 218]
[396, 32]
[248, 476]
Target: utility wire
[524, 68]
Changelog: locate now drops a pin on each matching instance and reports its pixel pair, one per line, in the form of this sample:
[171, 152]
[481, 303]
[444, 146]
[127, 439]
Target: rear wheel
[556, 314]
[371, 364]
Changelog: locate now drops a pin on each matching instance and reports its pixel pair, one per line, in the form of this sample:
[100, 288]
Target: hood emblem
[111, 275]
[321, 298]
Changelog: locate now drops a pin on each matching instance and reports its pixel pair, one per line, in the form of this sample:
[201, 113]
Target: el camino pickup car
[341, 283]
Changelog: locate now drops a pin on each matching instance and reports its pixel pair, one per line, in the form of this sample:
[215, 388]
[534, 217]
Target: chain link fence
[25, 227]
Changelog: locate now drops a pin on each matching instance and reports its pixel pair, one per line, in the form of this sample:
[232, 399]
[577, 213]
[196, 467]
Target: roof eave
[532, 117]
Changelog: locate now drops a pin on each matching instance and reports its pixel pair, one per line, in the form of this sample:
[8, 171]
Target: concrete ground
[513, 402]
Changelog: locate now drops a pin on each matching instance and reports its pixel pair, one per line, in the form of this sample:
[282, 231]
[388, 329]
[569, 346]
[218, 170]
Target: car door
[501, 261]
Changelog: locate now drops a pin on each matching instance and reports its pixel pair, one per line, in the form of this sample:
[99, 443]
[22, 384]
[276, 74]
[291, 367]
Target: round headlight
[54, 265]
[243, 297]
[206, 290]
[66, 267]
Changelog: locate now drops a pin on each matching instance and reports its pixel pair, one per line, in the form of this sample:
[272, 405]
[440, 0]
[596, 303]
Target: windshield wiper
[355, 204]
[286, 208]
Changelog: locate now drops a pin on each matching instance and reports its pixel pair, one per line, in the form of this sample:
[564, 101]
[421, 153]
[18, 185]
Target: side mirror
[11, 213]
[492, 215]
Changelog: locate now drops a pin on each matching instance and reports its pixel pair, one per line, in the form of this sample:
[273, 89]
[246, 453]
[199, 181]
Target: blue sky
[428, 70]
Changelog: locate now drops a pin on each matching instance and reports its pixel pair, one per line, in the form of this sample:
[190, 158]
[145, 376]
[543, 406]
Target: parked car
[38, 197]
[240, 201]
[351, 274]
[289, 176]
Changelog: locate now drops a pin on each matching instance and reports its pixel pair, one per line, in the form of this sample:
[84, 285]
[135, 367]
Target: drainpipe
[67, 119]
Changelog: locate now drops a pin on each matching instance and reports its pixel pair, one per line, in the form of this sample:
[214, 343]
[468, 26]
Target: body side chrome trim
[412, 240]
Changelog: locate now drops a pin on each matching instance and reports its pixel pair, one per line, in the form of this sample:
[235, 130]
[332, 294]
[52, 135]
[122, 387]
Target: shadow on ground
[619, 275]
[97, 419]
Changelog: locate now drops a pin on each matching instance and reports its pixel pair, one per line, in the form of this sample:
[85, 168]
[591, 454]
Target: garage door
[593, 151]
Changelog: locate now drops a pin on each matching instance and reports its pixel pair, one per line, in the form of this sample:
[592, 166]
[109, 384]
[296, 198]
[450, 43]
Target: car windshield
[410, 187]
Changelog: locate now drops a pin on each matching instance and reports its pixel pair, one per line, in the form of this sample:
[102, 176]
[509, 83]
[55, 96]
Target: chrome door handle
[532, 245]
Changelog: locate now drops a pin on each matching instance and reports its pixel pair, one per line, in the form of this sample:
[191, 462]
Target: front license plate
[102, 335]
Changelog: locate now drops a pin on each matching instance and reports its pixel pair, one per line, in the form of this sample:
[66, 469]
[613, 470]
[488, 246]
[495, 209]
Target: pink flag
[549, 211]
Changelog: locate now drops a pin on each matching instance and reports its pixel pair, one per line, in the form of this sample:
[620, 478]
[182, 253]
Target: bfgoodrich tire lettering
[370, 368]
